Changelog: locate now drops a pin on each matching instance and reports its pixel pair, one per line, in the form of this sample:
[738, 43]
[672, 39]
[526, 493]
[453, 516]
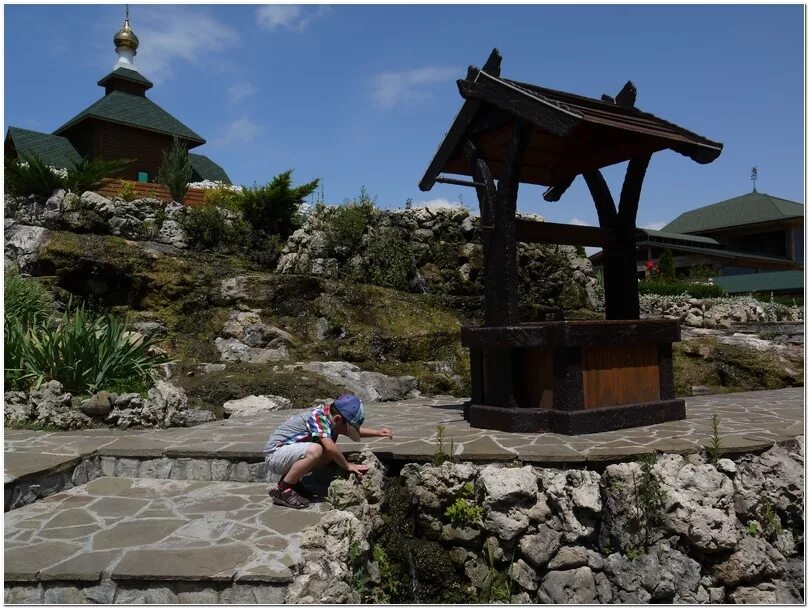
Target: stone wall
[443, 248]
[716, 312]
[677, 529]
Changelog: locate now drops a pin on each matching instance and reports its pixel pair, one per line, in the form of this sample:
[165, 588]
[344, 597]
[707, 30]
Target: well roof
[752, 208]
[135, 111]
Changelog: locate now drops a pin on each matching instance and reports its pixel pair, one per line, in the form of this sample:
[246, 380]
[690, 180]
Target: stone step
[121, 539]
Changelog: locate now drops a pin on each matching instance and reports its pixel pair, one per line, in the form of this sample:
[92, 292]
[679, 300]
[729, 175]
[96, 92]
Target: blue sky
[362, 95]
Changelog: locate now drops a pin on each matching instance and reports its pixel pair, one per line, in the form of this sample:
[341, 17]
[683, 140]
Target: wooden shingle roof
[135, 111]
[126, 74]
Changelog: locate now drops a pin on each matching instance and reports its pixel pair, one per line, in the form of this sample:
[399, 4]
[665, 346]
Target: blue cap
[350, 408]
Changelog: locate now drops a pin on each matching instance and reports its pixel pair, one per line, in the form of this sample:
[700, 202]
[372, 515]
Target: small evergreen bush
[273, 208]
[31, 176]
[207, 228]
[667, 269]
[127, 191]
[223, 196]
[175, 170]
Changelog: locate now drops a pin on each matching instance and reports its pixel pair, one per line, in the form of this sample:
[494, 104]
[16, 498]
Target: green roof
[776, 281]
[205, 169]
[135, 111]
[752, 208]
[126, 74]
[680, 237]
[54, 150]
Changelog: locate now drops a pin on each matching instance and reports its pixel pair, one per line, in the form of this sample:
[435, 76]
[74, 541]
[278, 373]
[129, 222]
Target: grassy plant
[175, 170]
[715, 450]
[441, 456]
[273, 208]
[31, 176]
[389, 583]
[127, 191]
[25, 300]
[348, 225]
[87, 174]
[83, 353]
[498, 585]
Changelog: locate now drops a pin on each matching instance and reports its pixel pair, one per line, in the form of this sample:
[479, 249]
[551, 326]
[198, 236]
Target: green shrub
[662, 287]
[223, 196]
[265, 251]
[273, 208]
[83, 353]
[348, 224]
[86, 175]
[31, 176]
[25, 301]
[390, 262]
[127, 191]
[464, 513]
[175, 170]
[667, 269]
[207, 228]
[701, 272]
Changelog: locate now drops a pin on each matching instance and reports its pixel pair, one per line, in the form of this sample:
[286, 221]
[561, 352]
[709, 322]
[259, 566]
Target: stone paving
[152, 530]
[748, 421]
[123, 529]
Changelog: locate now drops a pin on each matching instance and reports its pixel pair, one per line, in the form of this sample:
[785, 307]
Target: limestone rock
[576, 586]
[575, 498]
[256, 404]
[504, 486]
[776, 476]
[17, 409]
[197, 416]
[98, 404]
[524, 576]
[698, 503]
[150, 329]
[435, 487]
[369, 386]
[539, 548]
[753, 561]
[569, 558]
[763, 594]
[22, 245]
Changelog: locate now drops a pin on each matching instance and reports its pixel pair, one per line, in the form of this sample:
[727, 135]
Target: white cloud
[240, 90]
[655, 225]
[579, 222]
[169, 35]
[390, 88]
[240, 131]
[292, 17]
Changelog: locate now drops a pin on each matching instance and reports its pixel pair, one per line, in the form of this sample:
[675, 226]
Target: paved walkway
[748, 421]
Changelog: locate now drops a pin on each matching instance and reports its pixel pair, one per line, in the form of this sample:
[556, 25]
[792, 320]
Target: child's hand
[385, 433]
[357, 470]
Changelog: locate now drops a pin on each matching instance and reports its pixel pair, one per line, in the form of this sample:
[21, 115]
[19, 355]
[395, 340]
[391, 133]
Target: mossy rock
[211, 390]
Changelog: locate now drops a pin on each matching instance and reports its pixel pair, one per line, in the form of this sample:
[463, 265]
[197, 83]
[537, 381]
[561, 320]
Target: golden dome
[126, 37]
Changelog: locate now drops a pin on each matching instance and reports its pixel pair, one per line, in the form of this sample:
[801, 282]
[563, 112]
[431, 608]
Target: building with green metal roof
[123, 124]
[753, 242]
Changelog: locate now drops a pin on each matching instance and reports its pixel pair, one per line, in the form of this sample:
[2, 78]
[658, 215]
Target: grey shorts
[280, 461]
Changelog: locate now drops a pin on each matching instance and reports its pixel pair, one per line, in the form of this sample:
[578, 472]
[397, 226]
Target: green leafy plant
[463, 513]
[753, 528]
[207, 228]
[770, 520]
[82, 352]
[391, 264]
[715, 449]
[86, 174]
[30, 176]
[175, 170]
[389, 583]
[441, 456]
[273, 208]
[348, 224]
[127, 191]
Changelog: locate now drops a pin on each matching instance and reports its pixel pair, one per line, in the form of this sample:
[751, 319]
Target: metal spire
[754, 177]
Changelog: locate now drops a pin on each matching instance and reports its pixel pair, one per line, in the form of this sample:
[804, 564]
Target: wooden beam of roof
[529, 231]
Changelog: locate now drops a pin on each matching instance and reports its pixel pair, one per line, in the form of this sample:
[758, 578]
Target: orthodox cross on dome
[126, 45]
[754, 177]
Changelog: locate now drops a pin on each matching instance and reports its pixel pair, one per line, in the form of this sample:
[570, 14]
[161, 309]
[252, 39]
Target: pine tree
[667, 264]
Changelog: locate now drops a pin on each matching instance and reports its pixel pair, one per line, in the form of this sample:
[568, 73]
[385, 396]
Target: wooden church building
[123, 124]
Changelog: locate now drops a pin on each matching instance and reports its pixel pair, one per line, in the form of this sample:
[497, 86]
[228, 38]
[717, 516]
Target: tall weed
[31, 176]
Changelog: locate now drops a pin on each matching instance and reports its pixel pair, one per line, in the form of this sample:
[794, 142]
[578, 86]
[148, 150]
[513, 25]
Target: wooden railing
[112, 188]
